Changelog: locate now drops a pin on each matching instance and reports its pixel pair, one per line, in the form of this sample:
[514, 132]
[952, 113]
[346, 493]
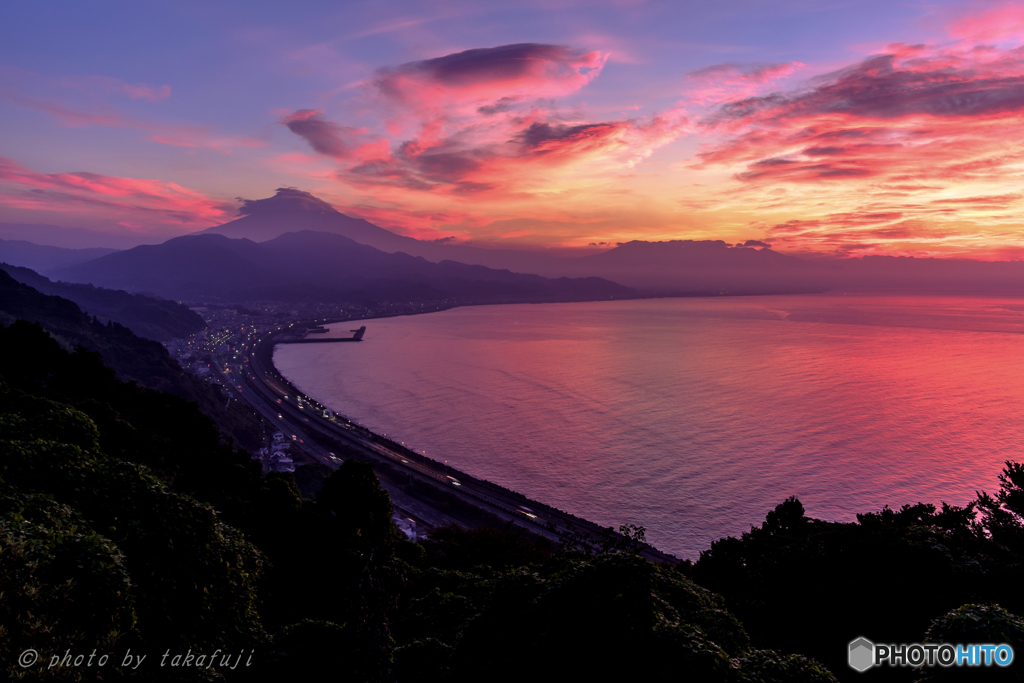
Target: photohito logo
[863, 654]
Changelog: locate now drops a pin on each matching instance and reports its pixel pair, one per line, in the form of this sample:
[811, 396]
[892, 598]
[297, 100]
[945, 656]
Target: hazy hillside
[673, 266]
[706, 266]
[180, 268]
[44, 258]
[922, 275]
[72, 238]
[312, 266]
[130, 356]
[156, 319]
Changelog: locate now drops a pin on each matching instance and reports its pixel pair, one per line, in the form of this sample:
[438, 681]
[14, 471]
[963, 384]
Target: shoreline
[843, 508]
[641, 297]
[392, 458]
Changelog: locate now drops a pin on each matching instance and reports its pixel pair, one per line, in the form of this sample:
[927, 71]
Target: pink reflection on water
[694, 417]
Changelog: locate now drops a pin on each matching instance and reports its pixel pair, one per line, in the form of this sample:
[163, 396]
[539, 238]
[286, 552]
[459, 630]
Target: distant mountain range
[148, 317]
[259, 261]
[45, 258]
[291, 210]
[318, 266]
[679, 266]
[74, 238]
[709, 266]
[670, 267]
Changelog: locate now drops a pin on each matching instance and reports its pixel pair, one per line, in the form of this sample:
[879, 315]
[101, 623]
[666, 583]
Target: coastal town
[231, 326]
[216, 354]
[235, 352]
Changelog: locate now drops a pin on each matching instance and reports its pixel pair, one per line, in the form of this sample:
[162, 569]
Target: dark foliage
[126, 521]
[452, 548]
[110, 539]
[976, 624]
[131, 357]
[800, 584]
[100, 553]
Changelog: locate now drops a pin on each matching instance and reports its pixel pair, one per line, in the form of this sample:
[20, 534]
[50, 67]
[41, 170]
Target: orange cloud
[921, 144]
[473, 126]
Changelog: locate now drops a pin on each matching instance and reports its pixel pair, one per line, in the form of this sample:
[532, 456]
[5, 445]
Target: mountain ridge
[309, 265]
[664, 268]
[150, 318]
[41, 257]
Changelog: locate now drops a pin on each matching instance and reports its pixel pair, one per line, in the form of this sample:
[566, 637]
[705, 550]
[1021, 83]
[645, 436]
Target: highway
[296, 428]
[311, 430]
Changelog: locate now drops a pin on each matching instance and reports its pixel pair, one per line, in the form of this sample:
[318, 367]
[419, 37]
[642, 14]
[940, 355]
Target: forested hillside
[146, 316]
[130, 356]
[127, 522]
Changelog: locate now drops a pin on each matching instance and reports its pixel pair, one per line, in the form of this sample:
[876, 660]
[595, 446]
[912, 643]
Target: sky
[833, 128]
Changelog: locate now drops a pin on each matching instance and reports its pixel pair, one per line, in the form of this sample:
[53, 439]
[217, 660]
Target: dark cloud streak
[326, 137]
[879, 88]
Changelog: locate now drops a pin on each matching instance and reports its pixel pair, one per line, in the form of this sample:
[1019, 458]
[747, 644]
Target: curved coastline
[497, 503]
[599, 413]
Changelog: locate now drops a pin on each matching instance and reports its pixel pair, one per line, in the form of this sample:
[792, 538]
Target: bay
[695, 416]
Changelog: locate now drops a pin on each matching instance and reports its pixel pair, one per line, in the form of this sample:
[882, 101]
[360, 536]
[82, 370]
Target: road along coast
[429, 492]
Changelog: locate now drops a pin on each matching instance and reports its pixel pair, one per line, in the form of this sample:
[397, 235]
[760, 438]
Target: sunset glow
[846, 131]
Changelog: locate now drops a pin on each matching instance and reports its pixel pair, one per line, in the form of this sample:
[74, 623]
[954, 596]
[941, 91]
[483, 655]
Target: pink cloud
[195, 137]
[917, 112]
[862, 232]
[145, 92]
[886, 86]
[109, 84]
[419, 223]
[470, 123]
[524, 70]
[999, 21]
[104, 115]
[918, 143]
[721, 82]
[333, 140]
[515, 161]
[131, 198]
[72, 117]
[442, 98]
[203, 138]
[392, 26]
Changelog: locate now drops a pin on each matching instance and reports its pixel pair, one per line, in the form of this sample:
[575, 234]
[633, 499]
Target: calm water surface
[694, 417]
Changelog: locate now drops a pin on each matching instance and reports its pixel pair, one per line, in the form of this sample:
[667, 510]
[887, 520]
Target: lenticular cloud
[498, 74]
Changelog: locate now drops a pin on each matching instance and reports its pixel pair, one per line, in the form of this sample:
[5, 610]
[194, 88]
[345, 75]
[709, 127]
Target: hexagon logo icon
[862, 654]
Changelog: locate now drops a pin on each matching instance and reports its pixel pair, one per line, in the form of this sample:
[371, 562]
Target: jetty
[306, 339]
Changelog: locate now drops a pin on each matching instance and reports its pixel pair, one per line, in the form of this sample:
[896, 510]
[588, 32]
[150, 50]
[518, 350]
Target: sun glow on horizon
[581, 137]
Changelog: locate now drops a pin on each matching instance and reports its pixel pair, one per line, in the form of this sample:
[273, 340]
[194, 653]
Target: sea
[694, 417]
